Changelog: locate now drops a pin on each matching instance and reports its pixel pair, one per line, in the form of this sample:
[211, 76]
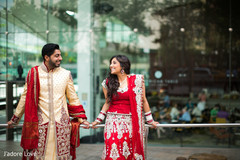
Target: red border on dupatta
[136, 101]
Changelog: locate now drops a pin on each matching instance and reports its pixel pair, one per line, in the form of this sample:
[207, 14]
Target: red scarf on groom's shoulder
[30, 132]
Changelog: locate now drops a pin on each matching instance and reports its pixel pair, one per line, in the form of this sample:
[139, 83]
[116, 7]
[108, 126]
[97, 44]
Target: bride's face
[115, 66]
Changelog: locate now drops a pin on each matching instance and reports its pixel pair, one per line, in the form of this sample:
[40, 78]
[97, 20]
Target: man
[197, 114]
[47, 129]
[166, 100]
[185, 115]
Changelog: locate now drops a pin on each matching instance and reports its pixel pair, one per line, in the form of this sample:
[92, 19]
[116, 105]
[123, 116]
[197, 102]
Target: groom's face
[55, 59]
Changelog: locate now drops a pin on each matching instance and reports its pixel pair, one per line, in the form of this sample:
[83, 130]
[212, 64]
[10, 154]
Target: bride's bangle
[149, 117]
[101, 116]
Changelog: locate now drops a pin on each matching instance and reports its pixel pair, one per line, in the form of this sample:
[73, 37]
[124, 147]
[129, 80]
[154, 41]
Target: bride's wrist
[149, 118]
[100, 117]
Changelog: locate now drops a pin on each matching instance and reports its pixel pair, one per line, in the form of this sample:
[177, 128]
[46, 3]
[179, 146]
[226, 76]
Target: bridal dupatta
[136, 83]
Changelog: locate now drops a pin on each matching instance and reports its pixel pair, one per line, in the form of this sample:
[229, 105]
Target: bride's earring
[122, 71]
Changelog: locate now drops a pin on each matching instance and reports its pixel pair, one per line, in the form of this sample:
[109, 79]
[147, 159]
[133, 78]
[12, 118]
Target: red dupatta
[76, 112]
[30, 132]
[135, 84]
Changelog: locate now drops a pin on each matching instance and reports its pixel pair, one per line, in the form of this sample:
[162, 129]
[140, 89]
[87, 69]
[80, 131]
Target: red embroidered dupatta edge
[136, 100]
[30, 132]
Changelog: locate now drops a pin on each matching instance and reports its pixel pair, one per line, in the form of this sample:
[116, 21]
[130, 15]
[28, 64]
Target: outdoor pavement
[94, 151]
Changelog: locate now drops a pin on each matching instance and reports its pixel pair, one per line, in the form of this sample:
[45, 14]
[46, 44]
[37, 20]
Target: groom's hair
[48, 49]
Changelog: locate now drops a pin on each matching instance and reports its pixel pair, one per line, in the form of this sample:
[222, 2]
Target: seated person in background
[214, 112]
[174, 113]
[202, 101]
[166, 100]
[223, 113]
[156, 112]
[185, 115]
[190, 105]
[164, 115]
[196, 114]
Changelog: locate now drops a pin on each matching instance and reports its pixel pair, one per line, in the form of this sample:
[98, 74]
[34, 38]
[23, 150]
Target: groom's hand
[10, 124]
[86, 123]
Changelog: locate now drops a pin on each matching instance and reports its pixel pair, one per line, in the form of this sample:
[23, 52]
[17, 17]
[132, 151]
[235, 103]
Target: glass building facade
[184, 48]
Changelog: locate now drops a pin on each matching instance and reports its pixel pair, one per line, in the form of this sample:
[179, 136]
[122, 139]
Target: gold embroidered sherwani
[54, 125]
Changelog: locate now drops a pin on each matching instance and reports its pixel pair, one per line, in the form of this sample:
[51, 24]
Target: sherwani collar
[45, 69]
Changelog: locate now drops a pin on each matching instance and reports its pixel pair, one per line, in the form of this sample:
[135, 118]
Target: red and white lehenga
[124, 130]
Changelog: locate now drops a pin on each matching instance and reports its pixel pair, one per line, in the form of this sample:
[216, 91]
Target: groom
[47, 128]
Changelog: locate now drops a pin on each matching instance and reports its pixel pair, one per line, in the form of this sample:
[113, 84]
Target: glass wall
[187, 50]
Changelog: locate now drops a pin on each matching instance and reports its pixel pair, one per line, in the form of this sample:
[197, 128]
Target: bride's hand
[154, 124]
[94, 124]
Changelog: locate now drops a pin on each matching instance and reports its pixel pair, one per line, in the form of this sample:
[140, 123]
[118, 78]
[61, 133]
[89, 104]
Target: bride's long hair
[113, 84]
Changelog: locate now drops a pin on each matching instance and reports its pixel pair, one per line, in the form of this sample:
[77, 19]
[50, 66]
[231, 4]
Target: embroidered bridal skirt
[118, 137]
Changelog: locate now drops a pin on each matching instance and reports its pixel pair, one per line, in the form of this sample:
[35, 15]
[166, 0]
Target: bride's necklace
[123, 82]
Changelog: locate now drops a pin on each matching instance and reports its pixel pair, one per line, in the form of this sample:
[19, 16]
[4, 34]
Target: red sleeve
[77, 111]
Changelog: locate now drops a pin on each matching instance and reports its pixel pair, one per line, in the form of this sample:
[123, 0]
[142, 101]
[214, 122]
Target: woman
[125, 98]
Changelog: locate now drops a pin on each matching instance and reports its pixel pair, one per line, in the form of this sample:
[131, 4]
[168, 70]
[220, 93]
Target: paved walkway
[94, 151]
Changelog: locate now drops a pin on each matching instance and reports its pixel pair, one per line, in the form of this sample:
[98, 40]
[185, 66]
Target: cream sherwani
[56, 86]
